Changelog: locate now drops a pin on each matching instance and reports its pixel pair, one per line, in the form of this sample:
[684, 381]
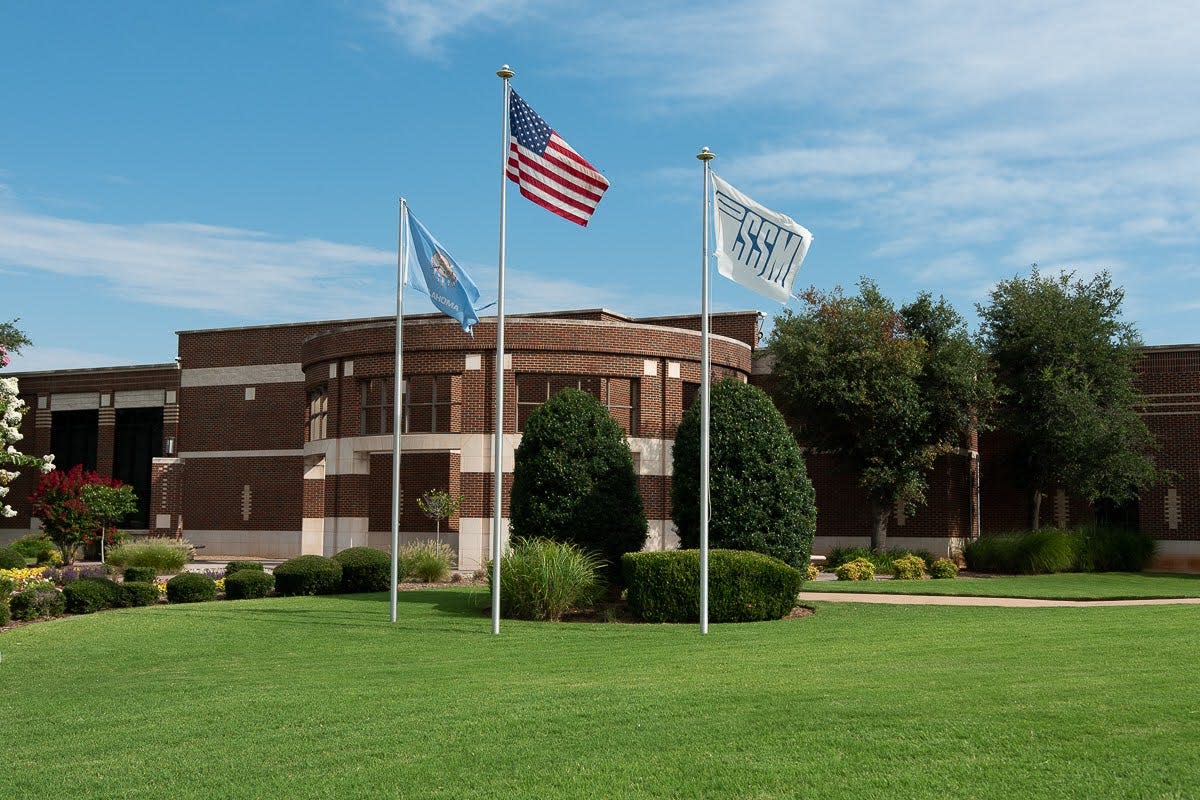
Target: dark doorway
[1123, 516]
[73, 438]
[137, 440]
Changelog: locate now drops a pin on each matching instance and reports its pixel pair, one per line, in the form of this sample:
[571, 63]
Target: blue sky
[171, 166]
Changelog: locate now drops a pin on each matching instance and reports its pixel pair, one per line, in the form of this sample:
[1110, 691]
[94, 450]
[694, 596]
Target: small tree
[439, 505]
[761, 497]
[63, 501]
[886, 391]
[1066, 365]
[574, 480]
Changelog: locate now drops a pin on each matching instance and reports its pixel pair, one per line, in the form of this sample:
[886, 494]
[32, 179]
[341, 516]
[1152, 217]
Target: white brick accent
[250, 393]
[74, 401]
[145, 398]
[672, 369]
[472, 362]
[649, 366]
[239, 376]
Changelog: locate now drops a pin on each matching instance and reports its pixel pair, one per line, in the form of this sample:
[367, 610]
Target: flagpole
[397, 409]
[504, 73]
[706, 156]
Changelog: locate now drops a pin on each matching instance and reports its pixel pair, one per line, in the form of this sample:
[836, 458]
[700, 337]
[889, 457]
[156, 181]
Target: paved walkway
[1004, 602]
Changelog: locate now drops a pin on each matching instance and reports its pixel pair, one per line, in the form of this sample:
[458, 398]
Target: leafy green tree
[439, 505]
[760, 496]
[574, 480]
[886, 391]
[1065, 366]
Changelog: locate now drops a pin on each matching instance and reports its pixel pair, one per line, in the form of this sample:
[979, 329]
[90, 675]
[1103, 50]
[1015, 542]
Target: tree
[885, 391]
[77, 506]
[1065, 366]
[439, 505]
[574, 480]
[12, 411]
[760, 496]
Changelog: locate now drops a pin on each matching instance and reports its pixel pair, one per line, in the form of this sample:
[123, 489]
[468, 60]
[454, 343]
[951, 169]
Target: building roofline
[90, 370]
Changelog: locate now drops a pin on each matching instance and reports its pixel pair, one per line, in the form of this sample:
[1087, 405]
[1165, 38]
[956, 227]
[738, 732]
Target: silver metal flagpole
[505, 74]
[397, 409]
[706, 156]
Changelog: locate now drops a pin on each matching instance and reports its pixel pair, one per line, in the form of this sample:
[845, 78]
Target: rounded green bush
[761, 497]
[191, 587]
[743, 586]
[943, 568]
[139, 574]
[908, 568]
[136, 594]
[858, 569]
[89, 595]
[37, 603]
[241, 566]
[365, 569]
[308, 575]
[247, 584]
[36, 546]
[11, 559]
[574, 481]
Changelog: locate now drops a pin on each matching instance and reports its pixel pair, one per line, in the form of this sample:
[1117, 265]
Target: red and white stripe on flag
[560, 180]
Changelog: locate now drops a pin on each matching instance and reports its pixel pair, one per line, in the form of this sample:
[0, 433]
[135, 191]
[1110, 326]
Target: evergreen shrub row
[744, 586]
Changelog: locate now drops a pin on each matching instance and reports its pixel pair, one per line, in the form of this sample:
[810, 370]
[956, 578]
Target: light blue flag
[430, 270]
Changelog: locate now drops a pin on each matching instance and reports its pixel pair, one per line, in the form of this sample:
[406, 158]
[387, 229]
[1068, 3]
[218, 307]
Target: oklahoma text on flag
[548, 170]
[757, 247]
[430, 270]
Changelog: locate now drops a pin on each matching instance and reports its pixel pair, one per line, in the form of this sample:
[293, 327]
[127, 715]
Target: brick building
[275, 440]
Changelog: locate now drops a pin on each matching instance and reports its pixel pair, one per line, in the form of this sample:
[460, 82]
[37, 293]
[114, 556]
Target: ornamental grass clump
[191, 587]
[248, 584]
[908, 568]
[1113, 550]
[166, 555]
[308, 575]
[428, 562]
[365, 569]
[1039, 552]
[544, 579]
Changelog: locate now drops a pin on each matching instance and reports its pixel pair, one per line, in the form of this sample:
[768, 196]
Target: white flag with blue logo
[430, 270]
[757, 247]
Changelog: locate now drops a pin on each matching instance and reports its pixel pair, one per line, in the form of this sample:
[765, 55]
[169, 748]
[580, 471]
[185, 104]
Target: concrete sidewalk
[1003, 602]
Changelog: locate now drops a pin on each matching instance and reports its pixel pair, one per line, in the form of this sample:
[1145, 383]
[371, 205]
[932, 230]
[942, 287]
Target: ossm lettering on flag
[757, 247]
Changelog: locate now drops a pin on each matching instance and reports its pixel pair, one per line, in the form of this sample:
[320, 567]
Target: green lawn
[323, 698]
[1065, 586]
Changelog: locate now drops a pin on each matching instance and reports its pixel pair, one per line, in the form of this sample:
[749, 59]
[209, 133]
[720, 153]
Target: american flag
[548, 170]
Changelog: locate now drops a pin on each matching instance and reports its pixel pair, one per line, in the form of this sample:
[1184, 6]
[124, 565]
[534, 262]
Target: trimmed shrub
[426, 561]
[811, 572]
[574, 481]
[37, 546]
[860, 569]
[881, 559]
[136, 594]
[1113, 550]
[247, 584]
[744, 586]
[365, 569]
[240, 566]
[167, 555]
[139, 574]
[89, 595]
[37, 603]
[191, 587]
[943, 568]
[544, 579]
[5, 614]
[308, 575]
[11, 559]
[761, 497]
[908, 568]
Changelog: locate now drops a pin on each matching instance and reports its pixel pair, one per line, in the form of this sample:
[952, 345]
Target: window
[618, 395]
[428, 405]
[691, 391]
[318, 413]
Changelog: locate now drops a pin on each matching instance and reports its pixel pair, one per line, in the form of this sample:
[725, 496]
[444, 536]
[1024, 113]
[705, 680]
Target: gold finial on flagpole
[705, 154]
[505, 72]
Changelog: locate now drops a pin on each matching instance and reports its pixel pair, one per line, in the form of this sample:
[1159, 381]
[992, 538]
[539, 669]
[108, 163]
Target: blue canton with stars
[530, 130]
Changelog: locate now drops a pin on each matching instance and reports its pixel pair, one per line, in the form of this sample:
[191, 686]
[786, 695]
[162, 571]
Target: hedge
[743, 586]
[308, 575]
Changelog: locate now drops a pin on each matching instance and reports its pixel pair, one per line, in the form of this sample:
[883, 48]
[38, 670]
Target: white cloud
[39, 359]
[423, 25]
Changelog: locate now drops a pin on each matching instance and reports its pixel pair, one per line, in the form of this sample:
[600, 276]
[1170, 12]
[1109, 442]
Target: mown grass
[323, 698]
[1063, 586]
